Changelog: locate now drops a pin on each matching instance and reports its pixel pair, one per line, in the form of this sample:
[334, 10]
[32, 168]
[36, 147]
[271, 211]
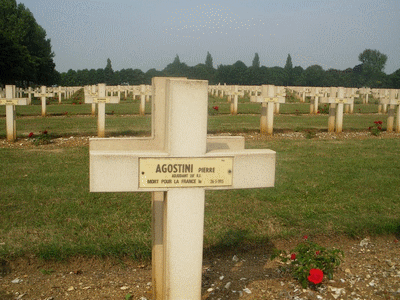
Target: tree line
[26, 59]
[369, 73]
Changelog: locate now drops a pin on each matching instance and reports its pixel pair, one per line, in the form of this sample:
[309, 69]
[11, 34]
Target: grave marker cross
[101, 99]
[43, 95]
[269, 97]
[392, 100]
[10, 102]
[336, 108]
[178, 163]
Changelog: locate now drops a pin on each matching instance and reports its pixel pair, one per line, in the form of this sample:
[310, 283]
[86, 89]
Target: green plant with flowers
[43, 138]
[376, 128]
[310, 262]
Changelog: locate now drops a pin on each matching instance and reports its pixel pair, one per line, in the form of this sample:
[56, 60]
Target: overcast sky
[147, 34]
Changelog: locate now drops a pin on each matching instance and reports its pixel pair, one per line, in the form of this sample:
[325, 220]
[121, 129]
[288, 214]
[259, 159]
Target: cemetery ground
[58, 241]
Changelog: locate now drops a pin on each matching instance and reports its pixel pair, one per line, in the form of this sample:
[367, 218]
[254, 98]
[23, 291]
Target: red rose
[45, 132]
[315, 276]
[215, 107]
[380, 122]
[305, 237]
[293, 256]
[376, 122]
[30, 134]
[317, 253]
[379, 127]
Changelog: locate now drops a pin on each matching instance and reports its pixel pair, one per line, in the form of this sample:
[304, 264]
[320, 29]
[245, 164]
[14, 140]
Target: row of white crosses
[10, 101]
[271, 96]
[100, 98]
[177, 164]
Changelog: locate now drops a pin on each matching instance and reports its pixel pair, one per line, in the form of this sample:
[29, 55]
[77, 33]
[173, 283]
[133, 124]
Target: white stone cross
[336, 108]
[316, 93]
[101, 99]
[392, 100]
[43, 95]
[234, 91]
[364, 93]
[145, 92]
[10, 102]
[350, 93]
[270, 95]
[178, 163]
[383, 95]
[90, 91]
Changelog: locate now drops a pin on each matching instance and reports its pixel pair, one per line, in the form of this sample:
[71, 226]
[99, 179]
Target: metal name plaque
[185, 172]
[101, 100]
[9, 101]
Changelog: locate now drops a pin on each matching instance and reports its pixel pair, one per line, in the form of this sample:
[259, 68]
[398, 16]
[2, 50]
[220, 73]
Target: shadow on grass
[59, 252]
[236, 241]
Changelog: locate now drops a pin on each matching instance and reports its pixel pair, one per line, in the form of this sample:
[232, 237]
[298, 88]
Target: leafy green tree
[395, 80]
[29, 46]
[373, 64]
[276, 76]
[109, 73]
[297, 74]
[209, 61]
[256, 61]
[176, 68]
[239, 73]
[313, 76]
[288, 71]
[150, 74]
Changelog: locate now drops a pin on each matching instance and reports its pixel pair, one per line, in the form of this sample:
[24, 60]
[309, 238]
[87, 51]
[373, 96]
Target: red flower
[30, 134]
[379, 127]
[369, 128]
[293, 256]
[315, 276]
[80, 102]
[45, 132]
[317, 252]
[305, 237]
[380, 122]
[215, 107]
[318, 112]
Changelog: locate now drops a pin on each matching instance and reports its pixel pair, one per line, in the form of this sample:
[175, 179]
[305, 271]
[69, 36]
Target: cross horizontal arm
[118, 171]
[16, 101]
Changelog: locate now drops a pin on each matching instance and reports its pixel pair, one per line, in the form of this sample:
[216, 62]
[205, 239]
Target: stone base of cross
[178, 163]
[101, 99]
[43, 95]
[10, 101]
[269, 97]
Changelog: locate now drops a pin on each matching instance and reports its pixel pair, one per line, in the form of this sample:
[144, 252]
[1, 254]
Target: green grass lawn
[329, 187]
